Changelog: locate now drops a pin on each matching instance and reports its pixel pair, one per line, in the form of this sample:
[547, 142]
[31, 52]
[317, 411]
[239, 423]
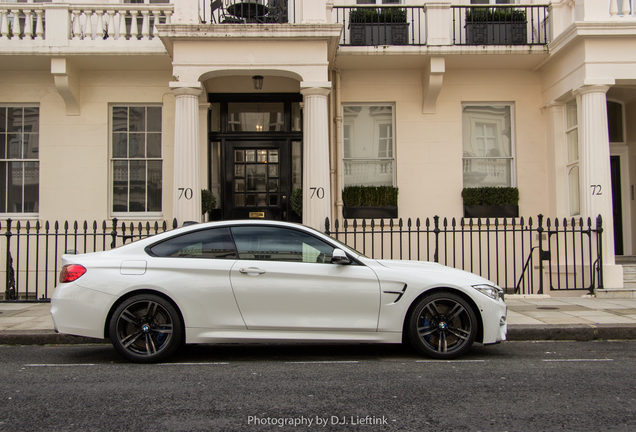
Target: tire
[145, 329]
[442, 326]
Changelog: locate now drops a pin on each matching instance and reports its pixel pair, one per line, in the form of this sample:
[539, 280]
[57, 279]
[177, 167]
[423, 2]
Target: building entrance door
[257, 180]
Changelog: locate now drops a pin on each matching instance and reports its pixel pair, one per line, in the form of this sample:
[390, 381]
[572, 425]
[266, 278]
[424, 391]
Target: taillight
[71, 272]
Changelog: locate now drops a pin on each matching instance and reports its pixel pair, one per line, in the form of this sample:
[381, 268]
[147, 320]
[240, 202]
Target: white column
[596, 184]
[316, 175]
[187, 188]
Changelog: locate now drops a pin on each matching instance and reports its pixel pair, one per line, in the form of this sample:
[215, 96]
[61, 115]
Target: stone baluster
[88, 27]
[4, 26]
[156, 14]
[28, 24]
[110, 24]
[121, 27]
[77, 26]
[39, 24]
[145, 25]
[99, 25]
[627, 8]
[134, 28]
[613, 8]
[16, 24]
[168, 15]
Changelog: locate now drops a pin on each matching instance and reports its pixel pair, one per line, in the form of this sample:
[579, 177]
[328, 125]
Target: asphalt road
[515, 386]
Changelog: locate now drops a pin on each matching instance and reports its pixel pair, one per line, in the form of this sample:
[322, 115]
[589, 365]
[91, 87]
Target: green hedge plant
[490, 196]
[370, 196]
[490, 14]
[383, 15]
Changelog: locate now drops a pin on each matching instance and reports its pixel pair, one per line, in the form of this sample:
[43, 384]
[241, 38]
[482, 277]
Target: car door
[284, 280]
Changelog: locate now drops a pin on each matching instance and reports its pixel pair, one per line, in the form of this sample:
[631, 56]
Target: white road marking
[579, 360]
[60, 365]
[321, 362]
[450, 361]
[191, 364]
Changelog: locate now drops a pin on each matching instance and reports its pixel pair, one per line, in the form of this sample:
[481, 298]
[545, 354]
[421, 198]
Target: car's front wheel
[145, 329]
[442, 325]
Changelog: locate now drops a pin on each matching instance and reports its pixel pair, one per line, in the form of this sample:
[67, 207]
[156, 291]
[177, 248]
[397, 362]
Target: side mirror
[339, 257]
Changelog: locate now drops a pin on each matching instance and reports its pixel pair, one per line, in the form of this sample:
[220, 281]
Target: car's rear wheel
[145, 328]
[442, 325]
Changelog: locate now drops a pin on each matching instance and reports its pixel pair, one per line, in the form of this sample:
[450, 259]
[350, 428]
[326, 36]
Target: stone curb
[43, 337]
[575, 332]
[516, 332]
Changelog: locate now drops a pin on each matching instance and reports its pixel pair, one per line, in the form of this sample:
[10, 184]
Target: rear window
[213, 243]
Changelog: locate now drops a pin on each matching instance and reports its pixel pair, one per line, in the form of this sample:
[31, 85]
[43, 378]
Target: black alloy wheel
[442, 326]
[145, 329]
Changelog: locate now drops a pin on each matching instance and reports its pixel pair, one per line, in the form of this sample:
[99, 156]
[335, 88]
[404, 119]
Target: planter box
[497, 33]
[372, 34]
[215, 215]
[505, 211]
[384, 212]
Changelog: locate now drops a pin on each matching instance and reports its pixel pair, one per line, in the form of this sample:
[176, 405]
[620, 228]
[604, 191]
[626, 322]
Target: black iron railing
[33, 250]
[500, 25]
[385, 25]
[517, 255]
[249, 12]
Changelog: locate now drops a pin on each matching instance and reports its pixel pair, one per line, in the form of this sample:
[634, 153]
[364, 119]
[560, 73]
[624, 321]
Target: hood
[432, 268]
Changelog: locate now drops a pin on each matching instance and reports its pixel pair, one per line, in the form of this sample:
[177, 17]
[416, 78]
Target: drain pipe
[338, 157]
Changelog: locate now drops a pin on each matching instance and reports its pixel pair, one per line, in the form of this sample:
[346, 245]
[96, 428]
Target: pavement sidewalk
[529, 318]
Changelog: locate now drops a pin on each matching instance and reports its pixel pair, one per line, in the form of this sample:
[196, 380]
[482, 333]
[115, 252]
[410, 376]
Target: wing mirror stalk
[339, 257]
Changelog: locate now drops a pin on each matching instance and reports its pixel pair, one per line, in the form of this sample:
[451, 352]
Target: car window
[280, 244]
[210, 243]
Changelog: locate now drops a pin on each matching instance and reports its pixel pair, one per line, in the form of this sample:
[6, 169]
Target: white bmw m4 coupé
[264, 281]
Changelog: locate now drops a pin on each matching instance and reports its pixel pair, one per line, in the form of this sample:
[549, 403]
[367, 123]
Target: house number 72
[596, 190]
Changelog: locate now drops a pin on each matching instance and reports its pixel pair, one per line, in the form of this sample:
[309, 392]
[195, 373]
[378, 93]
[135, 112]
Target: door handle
[252, 271]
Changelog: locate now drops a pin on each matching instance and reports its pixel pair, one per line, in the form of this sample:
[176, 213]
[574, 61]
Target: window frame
[377, 124]
[571, 164]
[23, 214]
[513, 139]
[147, 215]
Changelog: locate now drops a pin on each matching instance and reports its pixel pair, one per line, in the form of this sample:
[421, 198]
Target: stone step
[616, 293]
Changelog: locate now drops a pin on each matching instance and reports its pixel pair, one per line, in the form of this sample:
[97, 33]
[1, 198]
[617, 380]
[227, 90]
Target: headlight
[492, 291]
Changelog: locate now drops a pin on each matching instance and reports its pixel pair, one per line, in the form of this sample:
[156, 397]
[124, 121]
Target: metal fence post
[599, 246]
[9, 292]
[541, 255]
[113, 234]
[436, 231]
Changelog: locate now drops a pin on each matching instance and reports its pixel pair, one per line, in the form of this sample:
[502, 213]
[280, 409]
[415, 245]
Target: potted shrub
[208, 205]
[370, 202]
[296, 202]
[496, 26]
[378, 26]
[492, 202]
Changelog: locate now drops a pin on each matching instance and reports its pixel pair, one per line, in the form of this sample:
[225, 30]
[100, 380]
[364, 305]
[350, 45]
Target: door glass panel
[256, 177]
[273, 156]
[273, 170]
[239, 185]
[239, 170]
[250, 200]
[239, 156]
[261, 156]
[273, 185]
[256, 117]
[296, 174]
[250, 156]
[239, 200]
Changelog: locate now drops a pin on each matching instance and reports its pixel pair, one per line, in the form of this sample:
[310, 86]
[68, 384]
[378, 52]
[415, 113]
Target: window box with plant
[496, 26]
[370, 202]
[378, 26]
[491, 202]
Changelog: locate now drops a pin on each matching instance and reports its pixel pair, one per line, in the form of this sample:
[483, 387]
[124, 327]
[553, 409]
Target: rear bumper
[79, 311]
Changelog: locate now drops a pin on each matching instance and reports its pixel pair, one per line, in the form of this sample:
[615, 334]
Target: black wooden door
[257, 180]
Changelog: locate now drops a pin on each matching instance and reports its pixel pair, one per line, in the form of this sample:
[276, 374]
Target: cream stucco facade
[78, 74]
